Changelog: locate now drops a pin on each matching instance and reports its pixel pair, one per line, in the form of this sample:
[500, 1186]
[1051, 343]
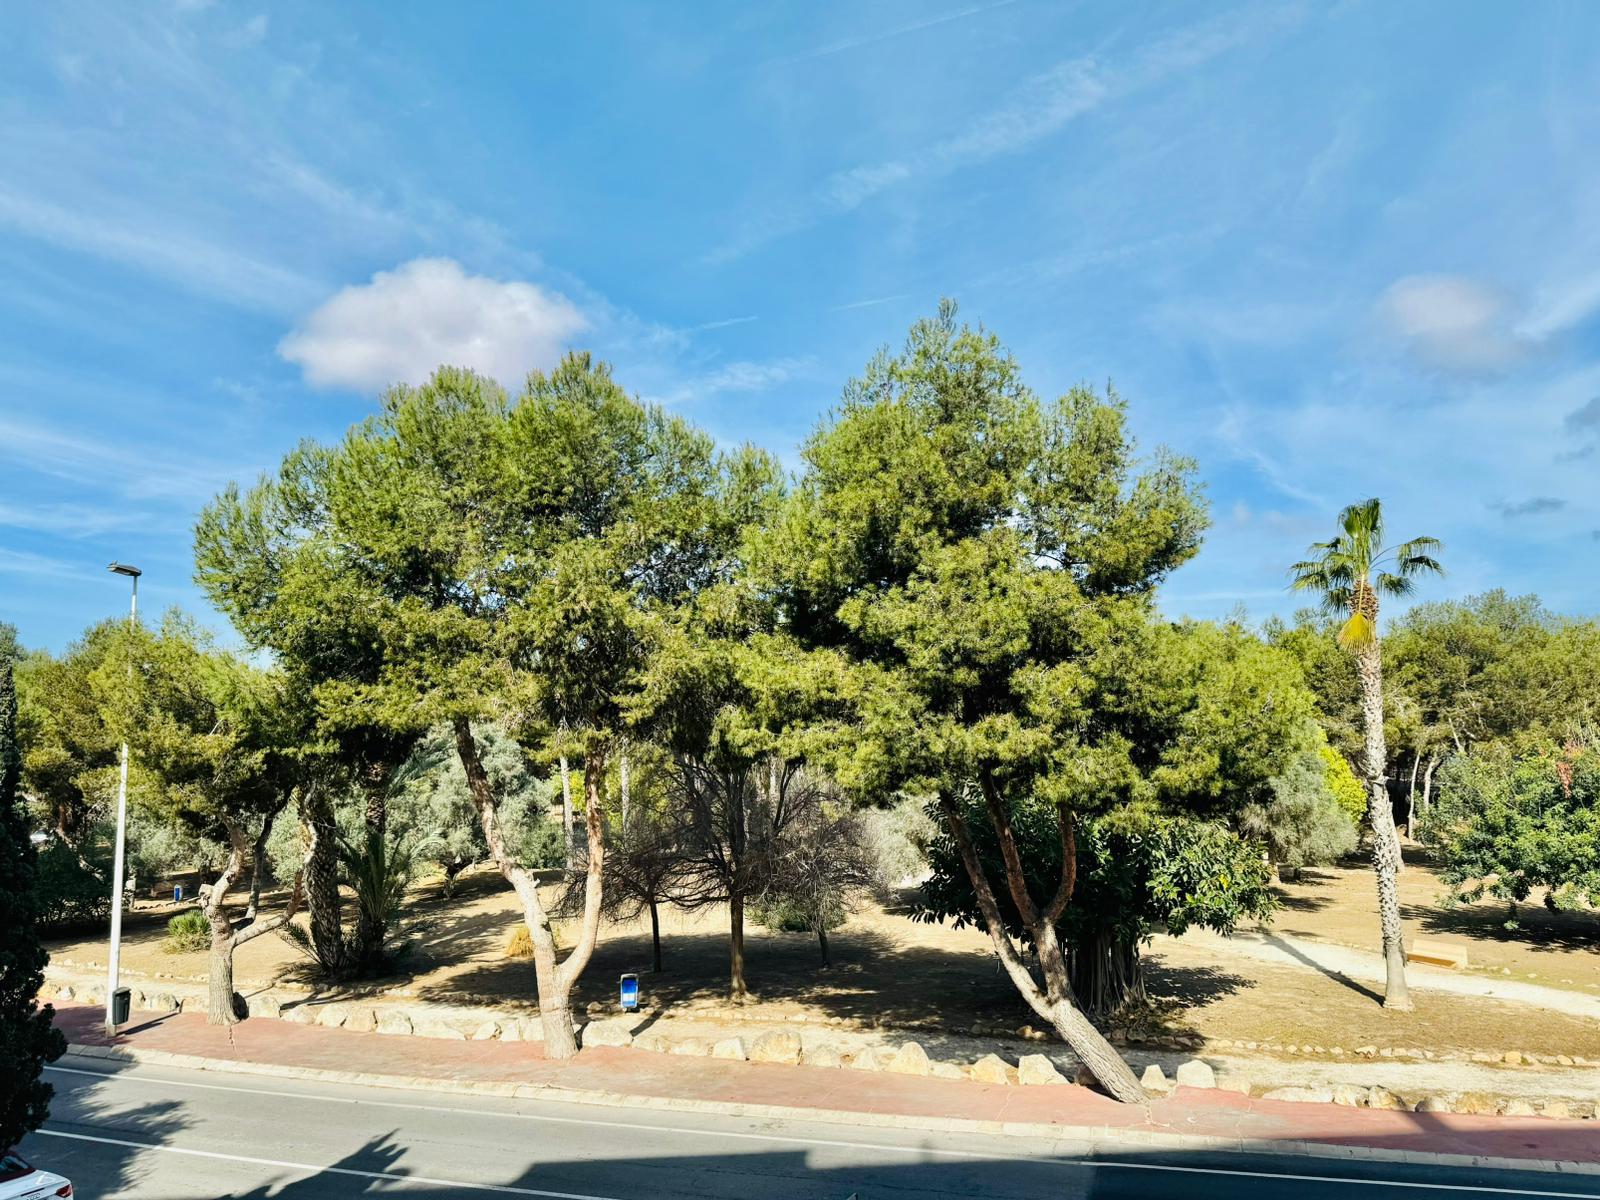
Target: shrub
[69, 893]
[790, 914]
[187, 932]
[520, 943]
[1347, 790]
[544, 845]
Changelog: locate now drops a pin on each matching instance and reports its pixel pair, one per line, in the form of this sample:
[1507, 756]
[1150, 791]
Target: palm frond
[1391, 584]
[1358, 631]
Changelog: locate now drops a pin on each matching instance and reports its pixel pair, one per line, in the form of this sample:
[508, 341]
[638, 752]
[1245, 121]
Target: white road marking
[312, 1169]
[977, 1155]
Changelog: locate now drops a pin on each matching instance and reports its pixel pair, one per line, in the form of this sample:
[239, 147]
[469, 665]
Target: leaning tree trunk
[554, 980]
[1385, 842]
[822, 943]
[1053, 1003]
[566, 810]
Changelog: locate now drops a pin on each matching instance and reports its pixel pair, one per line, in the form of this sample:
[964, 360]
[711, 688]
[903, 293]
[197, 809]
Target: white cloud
[1453, 323]
[427, 313]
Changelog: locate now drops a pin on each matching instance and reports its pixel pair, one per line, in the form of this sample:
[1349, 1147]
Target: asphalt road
[185, 1135]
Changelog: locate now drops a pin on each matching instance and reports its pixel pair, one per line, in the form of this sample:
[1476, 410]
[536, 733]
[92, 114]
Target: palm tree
[1349, 573]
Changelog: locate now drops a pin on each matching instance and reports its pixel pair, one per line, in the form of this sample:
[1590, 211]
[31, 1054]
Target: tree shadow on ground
[1339, 977]
[926, 1168]
[79, 1114]
[1537, 928]
[1193, 987]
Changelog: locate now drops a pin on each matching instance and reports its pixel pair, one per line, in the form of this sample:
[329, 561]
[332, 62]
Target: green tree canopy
[972, 567]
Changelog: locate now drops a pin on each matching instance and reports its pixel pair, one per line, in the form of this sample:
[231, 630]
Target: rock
[1336, 1051]
[1563, 1060]
[732, 1048]
[607, 1033]
[1195, 1074]
[361, 1020]
[1476, 1104]
[1155, 1079]
[869, 1059]
[910, 1059]
[1301, 1095]
[1436, 1104]
[654, 1043]
[1382, 1097]
[300, 1014]
[1234, 1083]
[487, 1031]
[329, 1016]
[263, 1006]
[436, 1028]
[1518, 1107]
[1511, 1058]
[164, 1002]
[1349, 1095]
[1083, 1077]
[692, 1047]
[1036, 1070]
[1365, 1051]
[944, 1070]
[991, 1068]
[776, 1046]
[1558, 1109]
[824, 1055]
[394, 1022]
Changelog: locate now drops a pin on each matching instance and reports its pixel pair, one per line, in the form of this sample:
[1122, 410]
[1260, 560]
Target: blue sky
[1328, 250]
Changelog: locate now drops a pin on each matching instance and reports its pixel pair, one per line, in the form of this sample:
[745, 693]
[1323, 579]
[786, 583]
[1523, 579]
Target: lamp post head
[117, 568]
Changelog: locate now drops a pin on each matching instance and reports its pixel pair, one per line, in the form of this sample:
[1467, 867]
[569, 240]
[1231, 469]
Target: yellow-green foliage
[187, 932]
[1342, 781]
[519, 944]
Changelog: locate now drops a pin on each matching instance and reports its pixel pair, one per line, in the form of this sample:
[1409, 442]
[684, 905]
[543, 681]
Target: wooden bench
[1438, 954]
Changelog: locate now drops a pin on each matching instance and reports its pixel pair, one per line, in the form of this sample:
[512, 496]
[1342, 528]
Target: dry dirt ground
[891, 971]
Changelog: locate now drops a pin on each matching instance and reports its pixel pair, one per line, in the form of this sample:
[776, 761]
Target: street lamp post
[132, 573]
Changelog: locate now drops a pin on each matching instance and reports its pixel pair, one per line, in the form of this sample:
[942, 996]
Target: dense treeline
[564, 634]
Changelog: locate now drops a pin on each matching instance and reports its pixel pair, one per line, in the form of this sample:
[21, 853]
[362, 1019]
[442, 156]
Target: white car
[20, 1181]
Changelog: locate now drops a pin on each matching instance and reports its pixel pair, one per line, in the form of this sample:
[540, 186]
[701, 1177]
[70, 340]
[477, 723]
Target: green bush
[544, 845]
[187, 932]
[69, 893]
[789, 914]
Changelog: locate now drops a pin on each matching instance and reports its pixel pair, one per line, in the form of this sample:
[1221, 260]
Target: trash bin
[121, 1006]
[630, 993]
[177, 893]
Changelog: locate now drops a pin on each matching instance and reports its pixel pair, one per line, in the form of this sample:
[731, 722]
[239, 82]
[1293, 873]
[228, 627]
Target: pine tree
[28, 1039]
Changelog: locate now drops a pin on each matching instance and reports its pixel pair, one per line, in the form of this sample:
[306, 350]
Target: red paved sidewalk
[641, 1073]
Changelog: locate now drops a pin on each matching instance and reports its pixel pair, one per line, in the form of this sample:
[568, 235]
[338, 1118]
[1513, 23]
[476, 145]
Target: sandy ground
[1299, 982]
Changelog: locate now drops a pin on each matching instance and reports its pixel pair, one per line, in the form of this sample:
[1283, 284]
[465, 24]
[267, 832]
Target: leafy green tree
[11, 651]
[1349, 573]
[1303, 823]
[1136, 871]
[972, 571]
[212, 731]
[432, 805]
[487, 561]
[1507, 826]
[28, 1039]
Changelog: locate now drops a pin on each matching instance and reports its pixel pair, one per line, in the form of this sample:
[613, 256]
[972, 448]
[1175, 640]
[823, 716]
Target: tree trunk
[1107, 974]
[1411, 797]
[1427, 784]
[370, 926]
[220, 1008]
[737, 992]
[553, 980]
[822, 943]
[322, 879]
[655, 939]
[622, 773]
[1053, 1002]
[1385, 842]
[566, 809]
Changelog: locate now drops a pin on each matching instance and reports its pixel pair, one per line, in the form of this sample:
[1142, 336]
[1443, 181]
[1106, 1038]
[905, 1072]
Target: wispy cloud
[873, 303]
[1037, 109]
[1534, 506]
[883, 35]
[740, 377]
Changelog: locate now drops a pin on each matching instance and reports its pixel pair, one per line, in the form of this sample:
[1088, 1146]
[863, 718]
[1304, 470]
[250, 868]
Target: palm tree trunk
[1385, 842]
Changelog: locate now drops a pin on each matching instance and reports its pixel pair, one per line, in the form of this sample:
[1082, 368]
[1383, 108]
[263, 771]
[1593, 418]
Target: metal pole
[122, 835]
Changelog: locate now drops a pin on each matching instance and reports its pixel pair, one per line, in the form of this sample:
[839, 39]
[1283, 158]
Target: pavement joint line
[1094, 1135]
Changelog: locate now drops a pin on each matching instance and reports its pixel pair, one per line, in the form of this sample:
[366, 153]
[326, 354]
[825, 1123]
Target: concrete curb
[1092, 1139]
